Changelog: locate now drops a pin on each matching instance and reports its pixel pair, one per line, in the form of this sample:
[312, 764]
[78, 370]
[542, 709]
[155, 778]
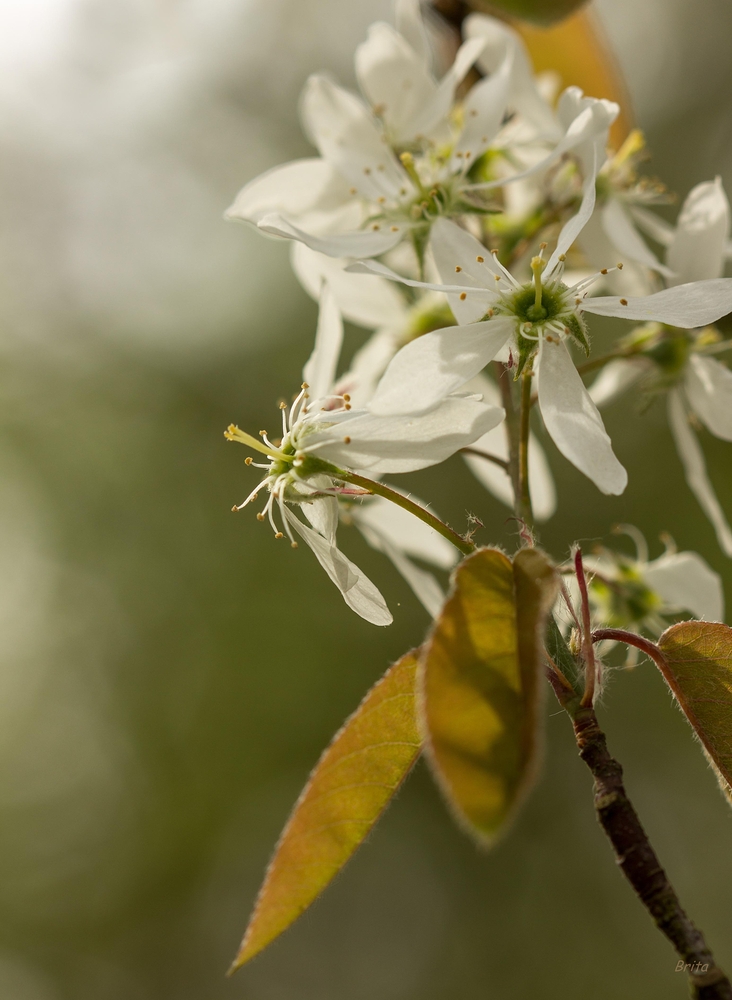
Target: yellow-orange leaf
[480, 686]
[698, 670]
[348, 790]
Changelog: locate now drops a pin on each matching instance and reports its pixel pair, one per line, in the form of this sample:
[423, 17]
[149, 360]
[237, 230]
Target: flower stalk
[379, 489]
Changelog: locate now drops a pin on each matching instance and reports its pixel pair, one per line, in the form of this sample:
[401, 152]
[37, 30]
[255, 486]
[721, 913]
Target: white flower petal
[652, 225]
[438, 109]
[574, 226]
[524, 94]
[692, 458]
[320, 369]
[425, 587]
[684, 580]
[347, 136]
[483, 111]
[406, 532]
[625, 238]
[438, 363]
[698, 248]
[586, 134]
[395, 80]
[408, 18]
[615, 378]
[708, 387]
[384, 445]
[375, 267]
[456, 252]
[368, 365]
[322, 512]
[358, 591]
[309, 189]
[370, 302]
[360, 243]
[687, 306]
[573, 421]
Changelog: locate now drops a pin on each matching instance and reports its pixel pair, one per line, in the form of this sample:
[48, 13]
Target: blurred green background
[169, 674]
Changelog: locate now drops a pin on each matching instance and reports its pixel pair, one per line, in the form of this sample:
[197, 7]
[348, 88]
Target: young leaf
[699, 672]
[480, 686]
[347, 792]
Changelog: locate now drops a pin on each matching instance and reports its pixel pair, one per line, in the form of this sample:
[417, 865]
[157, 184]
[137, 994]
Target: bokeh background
[168, 674]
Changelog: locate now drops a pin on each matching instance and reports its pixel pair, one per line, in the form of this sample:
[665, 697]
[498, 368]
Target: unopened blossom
[375, 303]
[324, 438]
[668, 358]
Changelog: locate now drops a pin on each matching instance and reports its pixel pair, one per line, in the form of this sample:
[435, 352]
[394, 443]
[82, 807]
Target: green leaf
[698, 670]
[480, 686]
[538, 11]
[347, 792]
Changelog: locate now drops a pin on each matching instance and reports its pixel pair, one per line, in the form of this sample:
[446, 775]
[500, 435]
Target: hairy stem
[638, 861]
[523, 496]
[463, 544]
[588, 697]
[513, 430]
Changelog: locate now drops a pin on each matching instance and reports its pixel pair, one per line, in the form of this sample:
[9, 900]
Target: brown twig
[639, 863]
[633, 851]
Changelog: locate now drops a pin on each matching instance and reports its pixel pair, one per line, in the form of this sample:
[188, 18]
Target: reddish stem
[587, 639]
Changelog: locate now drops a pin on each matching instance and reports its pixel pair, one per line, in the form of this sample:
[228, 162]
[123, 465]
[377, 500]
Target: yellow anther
[458, 268]
[248, 460]
[480, 259]
[278, 534]
[260, 516]
[346, 440]
[463, 296]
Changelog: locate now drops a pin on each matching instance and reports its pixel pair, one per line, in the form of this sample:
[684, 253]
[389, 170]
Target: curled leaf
[480, 686]
[347, 792]
[698, 669]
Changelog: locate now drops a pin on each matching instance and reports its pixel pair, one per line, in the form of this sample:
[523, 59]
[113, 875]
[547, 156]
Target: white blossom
[699, 385]
[536, 317]
[324, 437]
[374, 303]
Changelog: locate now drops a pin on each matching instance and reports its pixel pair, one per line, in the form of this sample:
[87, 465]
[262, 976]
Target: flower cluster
[476, 225]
